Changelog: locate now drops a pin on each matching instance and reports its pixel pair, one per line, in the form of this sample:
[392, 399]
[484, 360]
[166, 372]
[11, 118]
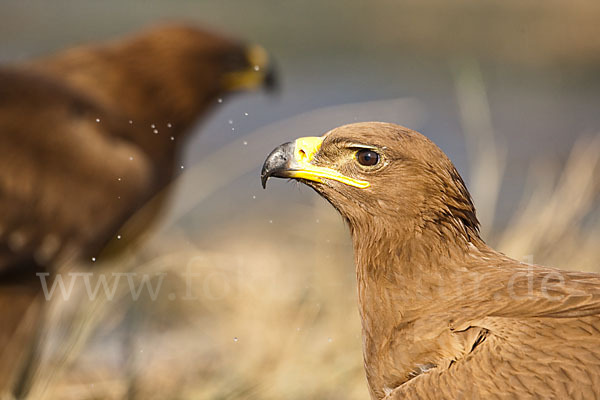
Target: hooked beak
[258, 72]
[295, 160]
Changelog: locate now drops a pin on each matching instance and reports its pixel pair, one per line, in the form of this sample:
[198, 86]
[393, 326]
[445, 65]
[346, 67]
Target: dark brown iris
[367, 157]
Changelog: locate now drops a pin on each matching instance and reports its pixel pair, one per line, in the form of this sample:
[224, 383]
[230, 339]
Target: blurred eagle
[444, 316]
[90, 135]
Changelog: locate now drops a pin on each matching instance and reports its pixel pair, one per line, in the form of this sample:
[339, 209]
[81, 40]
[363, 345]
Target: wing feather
[66, 178]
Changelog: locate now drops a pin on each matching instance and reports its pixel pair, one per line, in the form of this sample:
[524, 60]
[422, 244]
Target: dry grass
[274, 314]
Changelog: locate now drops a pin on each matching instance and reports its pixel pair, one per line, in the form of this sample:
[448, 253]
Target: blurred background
[509, 89]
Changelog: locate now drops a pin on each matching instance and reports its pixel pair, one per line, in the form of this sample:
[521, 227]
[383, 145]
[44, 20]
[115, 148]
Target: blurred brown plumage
[89, 136]
[444, 316]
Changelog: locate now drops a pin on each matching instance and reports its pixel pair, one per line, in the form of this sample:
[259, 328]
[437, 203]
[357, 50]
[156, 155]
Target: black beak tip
[277, 163]
[271, 80]
[263, 180]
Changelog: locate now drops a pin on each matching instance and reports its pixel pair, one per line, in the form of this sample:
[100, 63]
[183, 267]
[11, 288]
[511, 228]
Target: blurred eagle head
[167, 74]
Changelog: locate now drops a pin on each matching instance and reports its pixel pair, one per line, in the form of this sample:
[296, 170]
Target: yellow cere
[307, 147]
[304, 152]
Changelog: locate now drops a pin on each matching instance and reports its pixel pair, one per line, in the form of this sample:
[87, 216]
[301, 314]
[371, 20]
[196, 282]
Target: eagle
[90, 139]
[444, 316]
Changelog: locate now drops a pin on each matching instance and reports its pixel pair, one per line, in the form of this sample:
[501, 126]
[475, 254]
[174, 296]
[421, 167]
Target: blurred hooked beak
[294, 160]
[258, 72]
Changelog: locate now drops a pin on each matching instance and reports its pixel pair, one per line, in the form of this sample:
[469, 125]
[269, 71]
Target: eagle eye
[367, 157]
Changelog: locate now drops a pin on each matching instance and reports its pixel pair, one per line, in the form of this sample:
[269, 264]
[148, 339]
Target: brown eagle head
[379, 176]
[171, 73]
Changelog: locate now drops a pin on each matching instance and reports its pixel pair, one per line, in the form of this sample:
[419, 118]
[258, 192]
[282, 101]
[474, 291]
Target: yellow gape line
[304, 152]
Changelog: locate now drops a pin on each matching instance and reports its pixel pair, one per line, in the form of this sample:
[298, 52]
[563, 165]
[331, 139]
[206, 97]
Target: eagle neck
[402, 275]
[406, 268]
